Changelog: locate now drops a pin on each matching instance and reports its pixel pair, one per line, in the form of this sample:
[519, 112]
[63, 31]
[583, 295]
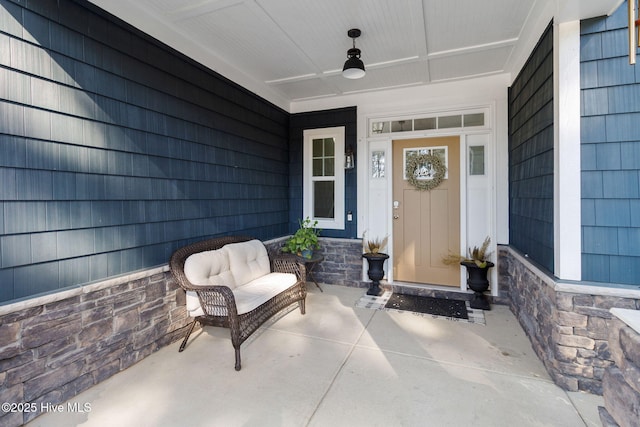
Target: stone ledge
[630, 317]
[569, 286]
[32, 302]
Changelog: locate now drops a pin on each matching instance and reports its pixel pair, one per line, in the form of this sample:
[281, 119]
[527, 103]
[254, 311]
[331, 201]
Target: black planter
[376, 271]
[479, 283]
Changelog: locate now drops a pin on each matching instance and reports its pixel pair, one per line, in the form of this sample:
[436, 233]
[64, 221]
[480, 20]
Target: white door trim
[377, 202]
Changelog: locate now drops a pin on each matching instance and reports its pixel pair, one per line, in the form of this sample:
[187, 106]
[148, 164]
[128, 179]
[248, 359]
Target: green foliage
[306, 237]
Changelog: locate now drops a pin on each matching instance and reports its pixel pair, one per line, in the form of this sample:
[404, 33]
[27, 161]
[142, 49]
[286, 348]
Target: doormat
[428, 305]
[436, 308]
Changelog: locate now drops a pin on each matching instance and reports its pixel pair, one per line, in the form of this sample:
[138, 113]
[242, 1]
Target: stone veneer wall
[342, 264]
[621, 382]
[54, 347]
[566, 323]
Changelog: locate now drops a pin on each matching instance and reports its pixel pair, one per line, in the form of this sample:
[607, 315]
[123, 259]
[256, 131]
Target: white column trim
[567, 197]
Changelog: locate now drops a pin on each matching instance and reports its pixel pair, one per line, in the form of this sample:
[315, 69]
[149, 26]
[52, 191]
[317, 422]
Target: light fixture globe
[353, 67]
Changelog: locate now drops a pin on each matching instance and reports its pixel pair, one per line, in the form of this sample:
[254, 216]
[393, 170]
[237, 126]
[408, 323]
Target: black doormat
[416, 309]
[428, 305]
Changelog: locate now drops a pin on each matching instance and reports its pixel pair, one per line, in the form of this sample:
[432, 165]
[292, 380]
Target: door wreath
[416, 161]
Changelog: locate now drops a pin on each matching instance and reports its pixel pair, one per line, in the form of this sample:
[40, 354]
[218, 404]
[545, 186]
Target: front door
[426, 223]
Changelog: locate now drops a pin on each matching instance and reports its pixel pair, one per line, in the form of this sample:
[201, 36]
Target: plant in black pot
[305, 239]
[478, 265]
[376, 260]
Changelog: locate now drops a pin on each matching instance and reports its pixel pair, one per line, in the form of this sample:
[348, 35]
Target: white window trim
[307, 201]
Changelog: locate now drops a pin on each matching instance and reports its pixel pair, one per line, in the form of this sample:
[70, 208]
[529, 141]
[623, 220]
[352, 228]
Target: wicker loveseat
[233, 282]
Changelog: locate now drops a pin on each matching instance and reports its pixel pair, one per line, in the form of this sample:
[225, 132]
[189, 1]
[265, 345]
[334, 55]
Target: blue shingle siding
[115, 150]
[610, 139]
[596, 267]
[531, 155]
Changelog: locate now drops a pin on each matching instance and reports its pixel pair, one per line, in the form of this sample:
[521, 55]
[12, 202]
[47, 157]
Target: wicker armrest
[216, 300]
[287, 263]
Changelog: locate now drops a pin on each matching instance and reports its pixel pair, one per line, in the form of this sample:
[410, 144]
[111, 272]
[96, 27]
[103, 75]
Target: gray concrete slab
[339, 365]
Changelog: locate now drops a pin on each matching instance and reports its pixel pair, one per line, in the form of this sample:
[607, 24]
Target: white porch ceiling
[292, 50]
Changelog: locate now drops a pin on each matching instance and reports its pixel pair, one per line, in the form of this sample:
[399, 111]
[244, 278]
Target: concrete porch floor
[341, 366]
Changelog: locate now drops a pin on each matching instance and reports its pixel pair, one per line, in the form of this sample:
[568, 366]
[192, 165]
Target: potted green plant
[376, 260]
[478, 265]
[305, 239]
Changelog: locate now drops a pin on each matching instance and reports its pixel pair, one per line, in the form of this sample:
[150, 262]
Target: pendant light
[353, 67]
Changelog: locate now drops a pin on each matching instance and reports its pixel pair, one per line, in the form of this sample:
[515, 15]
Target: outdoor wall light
[349, 161]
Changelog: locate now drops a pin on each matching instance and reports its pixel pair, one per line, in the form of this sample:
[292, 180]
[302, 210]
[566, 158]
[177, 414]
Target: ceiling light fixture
[353, 67]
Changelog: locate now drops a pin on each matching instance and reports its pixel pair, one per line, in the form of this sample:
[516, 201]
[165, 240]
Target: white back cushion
[209, 268]
[247, 261]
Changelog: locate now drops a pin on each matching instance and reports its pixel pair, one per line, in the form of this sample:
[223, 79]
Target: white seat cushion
[251, 295]
[261, 290]
[193, 305]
